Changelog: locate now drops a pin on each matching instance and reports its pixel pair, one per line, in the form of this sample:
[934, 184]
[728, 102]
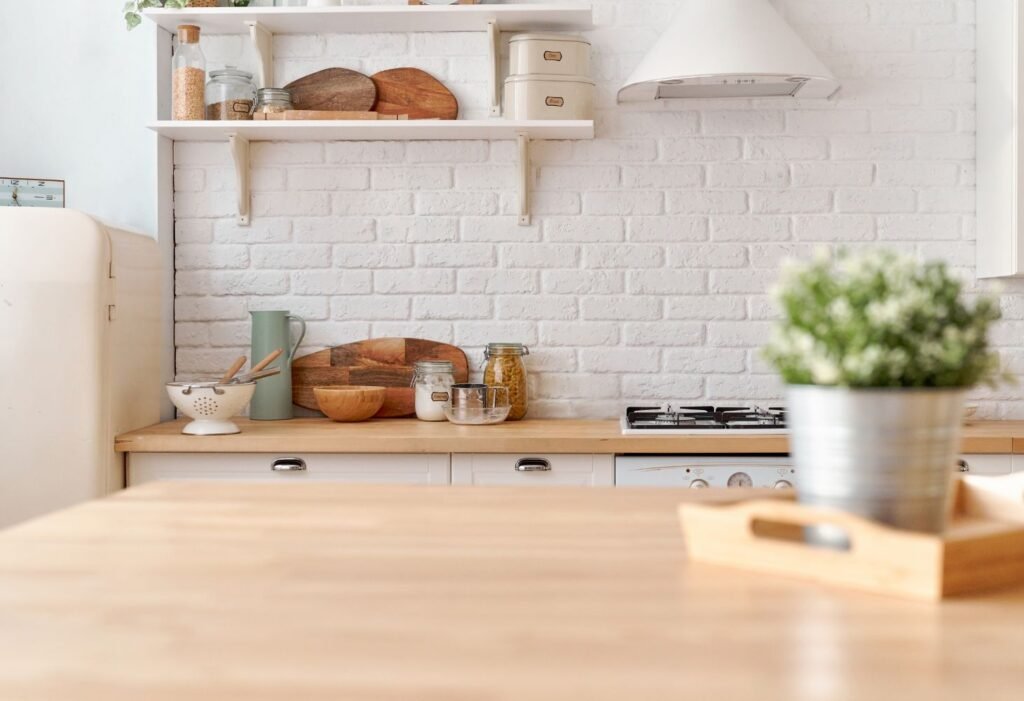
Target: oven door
[698, 472]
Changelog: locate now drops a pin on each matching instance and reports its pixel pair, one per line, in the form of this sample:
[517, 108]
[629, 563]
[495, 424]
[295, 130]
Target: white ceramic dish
[210, 405]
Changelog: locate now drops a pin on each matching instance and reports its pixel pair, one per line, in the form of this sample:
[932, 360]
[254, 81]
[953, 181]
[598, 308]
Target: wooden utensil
[338, 89]
[381, 362]
[415, 93]
[233, 370]
[271, 357]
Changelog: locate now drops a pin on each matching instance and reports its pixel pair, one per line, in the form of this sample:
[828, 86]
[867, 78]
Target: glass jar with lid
[433, 380]
[188, 75]
[230, 94]
[505, 368]
[273, 100]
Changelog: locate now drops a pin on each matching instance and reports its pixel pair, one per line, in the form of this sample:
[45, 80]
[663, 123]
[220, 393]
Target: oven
[705, 471]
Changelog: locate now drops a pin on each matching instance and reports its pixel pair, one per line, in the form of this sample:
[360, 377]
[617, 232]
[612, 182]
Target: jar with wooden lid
[188, 76]
[505, 368]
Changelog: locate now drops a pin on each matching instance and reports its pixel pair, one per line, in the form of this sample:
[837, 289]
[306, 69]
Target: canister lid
[231, 73]
[575, 38]
[434, 366]
[506, 349]
[188, 34]
[545, 78]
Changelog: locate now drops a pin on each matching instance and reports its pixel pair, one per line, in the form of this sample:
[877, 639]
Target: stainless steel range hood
[729, 48]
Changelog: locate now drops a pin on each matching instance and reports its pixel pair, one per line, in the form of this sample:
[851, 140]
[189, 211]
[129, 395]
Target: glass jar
[505, 368]
[273, 100]
[188, 76]
[433, 380]
[230, 94]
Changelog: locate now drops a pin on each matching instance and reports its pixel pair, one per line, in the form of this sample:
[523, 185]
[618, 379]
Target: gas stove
[677, 420]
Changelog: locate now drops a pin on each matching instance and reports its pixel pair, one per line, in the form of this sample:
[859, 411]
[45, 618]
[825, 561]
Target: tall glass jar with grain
[188, 76]
[505, 368]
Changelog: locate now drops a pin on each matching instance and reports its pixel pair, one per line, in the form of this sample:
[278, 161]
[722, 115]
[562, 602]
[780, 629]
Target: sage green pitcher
[270, 331]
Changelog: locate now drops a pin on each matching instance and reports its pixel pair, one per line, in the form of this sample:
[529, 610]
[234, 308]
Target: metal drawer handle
[288, 465]
[533, 465]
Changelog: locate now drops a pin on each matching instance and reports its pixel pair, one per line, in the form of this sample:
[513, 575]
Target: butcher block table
[214, 591]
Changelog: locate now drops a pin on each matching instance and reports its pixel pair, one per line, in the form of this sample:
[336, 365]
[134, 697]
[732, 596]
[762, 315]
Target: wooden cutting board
[382, 362]
[415, 93]
[338, 89]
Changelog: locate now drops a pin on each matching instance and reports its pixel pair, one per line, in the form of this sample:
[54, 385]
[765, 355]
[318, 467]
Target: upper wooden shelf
[359, 130]
[367, 19]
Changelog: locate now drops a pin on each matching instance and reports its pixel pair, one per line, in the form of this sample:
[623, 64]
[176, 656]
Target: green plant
[881, 320]
[133, 9]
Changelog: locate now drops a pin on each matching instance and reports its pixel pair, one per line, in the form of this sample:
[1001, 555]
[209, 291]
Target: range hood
[729, 48]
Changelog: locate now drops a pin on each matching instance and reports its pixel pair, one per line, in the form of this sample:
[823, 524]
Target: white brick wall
[646, 271]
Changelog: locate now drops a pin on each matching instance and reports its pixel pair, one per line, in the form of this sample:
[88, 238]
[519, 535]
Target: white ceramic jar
[549, 97]
[549, 54]
[433, 382]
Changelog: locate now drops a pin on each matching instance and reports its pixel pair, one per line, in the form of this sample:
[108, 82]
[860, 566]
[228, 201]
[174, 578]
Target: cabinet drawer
[535, 470]
[987, 464]
[268, 467]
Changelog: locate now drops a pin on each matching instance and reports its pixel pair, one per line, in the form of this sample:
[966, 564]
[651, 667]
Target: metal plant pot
[885, 454]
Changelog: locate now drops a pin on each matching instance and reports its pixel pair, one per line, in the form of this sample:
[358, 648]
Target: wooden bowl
[349, 403]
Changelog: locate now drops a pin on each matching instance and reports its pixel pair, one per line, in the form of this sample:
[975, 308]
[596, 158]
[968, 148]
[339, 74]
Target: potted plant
[878, 352]
[133, 8]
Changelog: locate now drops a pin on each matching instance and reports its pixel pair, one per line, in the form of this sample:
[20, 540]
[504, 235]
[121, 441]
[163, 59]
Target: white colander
[210, 405]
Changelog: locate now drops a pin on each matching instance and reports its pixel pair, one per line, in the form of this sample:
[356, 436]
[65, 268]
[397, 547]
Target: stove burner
[707, 418]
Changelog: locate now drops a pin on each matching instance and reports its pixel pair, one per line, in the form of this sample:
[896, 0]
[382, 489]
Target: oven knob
[740, 480]
[699, 484]
[783, 484]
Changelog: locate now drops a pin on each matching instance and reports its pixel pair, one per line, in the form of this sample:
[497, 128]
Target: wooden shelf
[358, 130]
[368, 19]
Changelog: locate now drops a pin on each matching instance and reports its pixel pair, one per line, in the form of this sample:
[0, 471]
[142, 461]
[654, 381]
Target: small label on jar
[552, 55]
[555, 102]
[439, 397]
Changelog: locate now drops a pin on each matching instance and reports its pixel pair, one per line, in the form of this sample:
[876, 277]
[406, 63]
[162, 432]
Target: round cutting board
[415, 93]
[335, 89]
[380, 362]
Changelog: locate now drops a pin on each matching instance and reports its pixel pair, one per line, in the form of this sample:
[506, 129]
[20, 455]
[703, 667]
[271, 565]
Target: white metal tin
[549, 54]
[549, 97]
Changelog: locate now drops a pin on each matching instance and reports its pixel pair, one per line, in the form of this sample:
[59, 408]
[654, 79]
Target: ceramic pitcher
[270, 331]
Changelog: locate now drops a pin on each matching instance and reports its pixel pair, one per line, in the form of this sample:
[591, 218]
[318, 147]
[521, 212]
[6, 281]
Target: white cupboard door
[534, 470]
[267, 467]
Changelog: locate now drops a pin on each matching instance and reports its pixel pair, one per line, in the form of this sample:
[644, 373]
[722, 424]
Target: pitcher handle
[302, 333]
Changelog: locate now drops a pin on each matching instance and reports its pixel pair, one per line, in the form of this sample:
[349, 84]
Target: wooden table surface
[530, 436]
[218, 592]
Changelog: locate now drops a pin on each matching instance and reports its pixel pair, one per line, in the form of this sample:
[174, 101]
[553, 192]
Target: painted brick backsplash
[646, 271]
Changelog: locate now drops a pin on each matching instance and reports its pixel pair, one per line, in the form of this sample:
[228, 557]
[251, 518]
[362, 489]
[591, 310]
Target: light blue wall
[77, 90]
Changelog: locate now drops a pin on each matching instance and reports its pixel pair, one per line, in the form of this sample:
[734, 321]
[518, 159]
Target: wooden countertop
[219, 592]
[531, 436]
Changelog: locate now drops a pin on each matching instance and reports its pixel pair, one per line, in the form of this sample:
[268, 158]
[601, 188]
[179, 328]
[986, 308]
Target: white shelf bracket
[239, 146]
[525, 170]
[494, 49]
[263, 43]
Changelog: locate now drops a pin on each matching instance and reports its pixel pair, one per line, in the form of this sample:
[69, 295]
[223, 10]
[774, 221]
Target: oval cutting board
[381, 362]
[336, 89]
[415, 93]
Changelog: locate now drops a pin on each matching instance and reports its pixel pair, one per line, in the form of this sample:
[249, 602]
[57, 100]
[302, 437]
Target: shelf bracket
[525, 170]
[263, 43]
[494, 49]
[239, 146]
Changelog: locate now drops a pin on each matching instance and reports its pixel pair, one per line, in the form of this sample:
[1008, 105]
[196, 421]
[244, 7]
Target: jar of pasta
[505, 368]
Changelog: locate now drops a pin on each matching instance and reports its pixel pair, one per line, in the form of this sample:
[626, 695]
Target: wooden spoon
[266, 361]
[233, 370]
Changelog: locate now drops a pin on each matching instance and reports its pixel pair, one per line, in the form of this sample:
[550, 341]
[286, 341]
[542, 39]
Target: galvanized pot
[885, 454]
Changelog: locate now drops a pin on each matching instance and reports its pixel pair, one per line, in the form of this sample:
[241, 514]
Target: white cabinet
[987, 464]
[1000, 75]
[534, 470]
[262, 467]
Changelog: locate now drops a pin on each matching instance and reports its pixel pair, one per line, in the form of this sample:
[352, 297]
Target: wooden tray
[380, 362]
[982, 549]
